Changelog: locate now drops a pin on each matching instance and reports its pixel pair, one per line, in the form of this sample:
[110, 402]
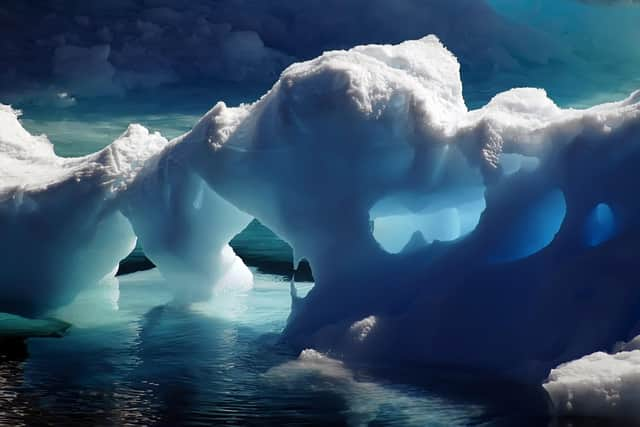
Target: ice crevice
[496, 268]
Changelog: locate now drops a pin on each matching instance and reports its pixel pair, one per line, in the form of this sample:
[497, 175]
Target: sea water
[140, 360]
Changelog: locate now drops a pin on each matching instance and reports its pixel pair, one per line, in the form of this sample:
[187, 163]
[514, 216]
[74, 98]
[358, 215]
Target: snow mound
[597, 385]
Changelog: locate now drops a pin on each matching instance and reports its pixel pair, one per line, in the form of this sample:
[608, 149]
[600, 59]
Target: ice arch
[66, 223]
[311, 159]
[392, 109]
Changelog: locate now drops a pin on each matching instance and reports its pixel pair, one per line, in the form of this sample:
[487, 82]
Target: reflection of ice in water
[264, 308]
[102, 304]
[93, 306]
[139, 359]
[368, 401]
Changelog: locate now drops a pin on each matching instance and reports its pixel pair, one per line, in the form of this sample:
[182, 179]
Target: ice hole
[532, 231]
[601, 225]
[445, 217]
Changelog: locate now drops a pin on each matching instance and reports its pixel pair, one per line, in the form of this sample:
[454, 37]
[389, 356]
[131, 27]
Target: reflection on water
[146, 362]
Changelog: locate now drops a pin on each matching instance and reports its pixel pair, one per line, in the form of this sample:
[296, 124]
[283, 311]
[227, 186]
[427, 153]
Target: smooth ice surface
[535, 229]
[347, 138]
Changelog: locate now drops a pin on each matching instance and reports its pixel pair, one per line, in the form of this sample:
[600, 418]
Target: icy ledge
[498, 239]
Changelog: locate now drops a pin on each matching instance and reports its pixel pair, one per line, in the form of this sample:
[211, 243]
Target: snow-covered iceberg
[60, 223]
[343, 141]
[511, 227]
[67, 222]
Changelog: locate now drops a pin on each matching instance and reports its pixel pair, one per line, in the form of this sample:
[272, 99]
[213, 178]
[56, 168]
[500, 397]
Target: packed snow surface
[514, 282]
[597, 385]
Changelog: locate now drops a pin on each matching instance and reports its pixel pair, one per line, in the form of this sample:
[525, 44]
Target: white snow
[362, 328]
[597, 385]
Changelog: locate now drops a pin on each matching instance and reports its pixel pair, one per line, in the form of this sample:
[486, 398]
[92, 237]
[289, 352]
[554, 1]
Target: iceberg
[67, 222]
[510, 295]
[507, 261]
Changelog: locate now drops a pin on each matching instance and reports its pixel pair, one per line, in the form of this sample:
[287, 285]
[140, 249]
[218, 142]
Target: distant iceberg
[509, 262]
